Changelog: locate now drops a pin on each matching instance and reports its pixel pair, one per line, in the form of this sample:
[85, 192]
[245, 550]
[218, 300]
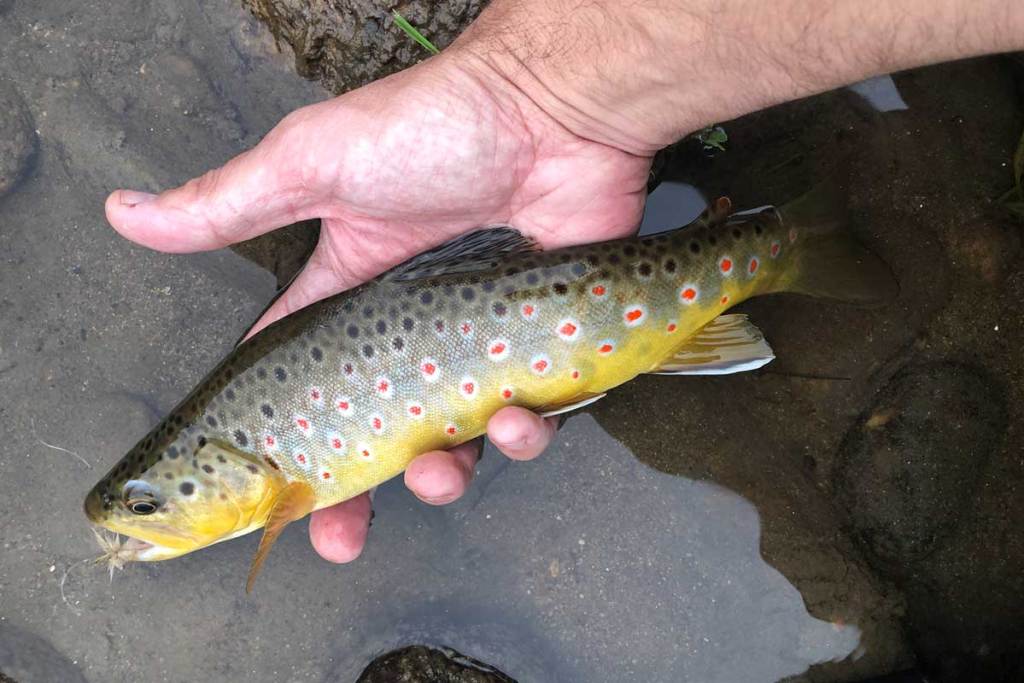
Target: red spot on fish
[725, 265]
[725, 300]
[382, 386]
[598, 290]
[752, 267]
[347, 368]
[634, 315]
[451, 430]
[540, 366]
[606, 347]
[528, 311]
[568, 329]
[270, 440]
[575, 374]
[466, 328]
[377, 423]
[468, 388]
[415, 410]
[506, 393]
[429, 369]
[365, 452]
[672, 327]
[300, 458]
[688, 294]
[315, 394]
[326, 475]
[776, 247]
[336, 443]
[497, 350]
[303, 424]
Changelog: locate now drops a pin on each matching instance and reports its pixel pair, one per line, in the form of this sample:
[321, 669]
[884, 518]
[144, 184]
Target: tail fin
[829, 262]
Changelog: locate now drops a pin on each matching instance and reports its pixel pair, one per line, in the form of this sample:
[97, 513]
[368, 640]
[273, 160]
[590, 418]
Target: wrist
[638, 76]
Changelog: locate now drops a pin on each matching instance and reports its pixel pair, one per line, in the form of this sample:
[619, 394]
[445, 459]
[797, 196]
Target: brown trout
[340, 396]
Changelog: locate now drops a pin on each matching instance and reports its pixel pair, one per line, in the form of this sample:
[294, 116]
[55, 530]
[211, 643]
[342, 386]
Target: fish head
[170, 507]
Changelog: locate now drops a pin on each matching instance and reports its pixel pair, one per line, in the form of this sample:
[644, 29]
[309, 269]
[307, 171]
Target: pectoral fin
[295, 501]
[728, 344]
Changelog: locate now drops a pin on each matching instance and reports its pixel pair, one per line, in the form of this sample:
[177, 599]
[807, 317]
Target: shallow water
[685, 529]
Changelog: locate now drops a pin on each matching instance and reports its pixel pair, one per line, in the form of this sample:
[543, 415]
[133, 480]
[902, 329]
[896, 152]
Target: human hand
[393, 169]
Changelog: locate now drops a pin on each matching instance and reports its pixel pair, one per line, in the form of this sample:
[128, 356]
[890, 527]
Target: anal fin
[295, 501]
[728, 344]
[549, 411]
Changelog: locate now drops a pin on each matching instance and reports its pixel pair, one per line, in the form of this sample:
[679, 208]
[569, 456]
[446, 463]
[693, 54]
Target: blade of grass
[413, 33]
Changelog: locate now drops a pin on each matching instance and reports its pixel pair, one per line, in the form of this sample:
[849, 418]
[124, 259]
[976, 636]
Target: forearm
[639, 75]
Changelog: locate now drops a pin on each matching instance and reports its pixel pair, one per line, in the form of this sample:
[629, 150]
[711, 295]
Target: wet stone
[422, 664]
[17, 138]
[911, 464]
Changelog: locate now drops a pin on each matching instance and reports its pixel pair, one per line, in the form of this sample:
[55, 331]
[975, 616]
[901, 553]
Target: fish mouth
[121, 548]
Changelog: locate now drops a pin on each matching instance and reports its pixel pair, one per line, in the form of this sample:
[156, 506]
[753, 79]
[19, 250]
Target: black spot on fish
[382, 327]
[578, 269]
[408, 324]
[187, 488]
[172, 452]
[670, 265]
[561, 288]
[629, 250]
[293, 358]
[758, 230]
[221, 458]
[397, 344]
[500, 309]
[211, 420]
[644, 269]
[240, 438]
[230, 394]
[532, 278]
[261, 373]
[694, 247]
[426, 298]
[367, 311]
[712, 240]
[279, 374]
[614, 259]
[316, 354]
[208, 469]
[168, 475]
[201, 441]
[737, 233]
[488, 286]
[267, 410]
[368, 351]
[270, 461]
[565, 257]
[448, 290]
[512, 271]
[593, 260]
[252, 468]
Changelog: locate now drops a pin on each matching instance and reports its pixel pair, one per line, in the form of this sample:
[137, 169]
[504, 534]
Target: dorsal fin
[481, 249]
[295, 501]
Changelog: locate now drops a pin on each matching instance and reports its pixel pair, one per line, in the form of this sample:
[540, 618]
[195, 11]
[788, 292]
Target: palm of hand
[393, 169]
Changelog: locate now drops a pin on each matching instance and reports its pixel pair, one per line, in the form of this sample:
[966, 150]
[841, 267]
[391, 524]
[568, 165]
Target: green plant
[712, 137]
[404, 24]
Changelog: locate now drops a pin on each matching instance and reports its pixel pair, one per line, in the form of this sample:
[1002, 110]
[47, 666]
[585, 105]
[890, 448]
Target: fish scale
[340, 396]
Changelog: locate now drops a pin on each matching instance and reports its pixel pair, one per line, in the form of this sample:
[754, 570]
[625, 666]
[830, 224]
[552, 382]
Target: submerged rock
[346, 45]
[25, 657]
[17, 137]
[912, 462]
[422, 664]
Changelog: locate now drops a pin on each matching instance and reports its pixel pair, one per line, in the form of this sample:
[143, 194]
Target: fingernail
[134, 198]
[440, 500]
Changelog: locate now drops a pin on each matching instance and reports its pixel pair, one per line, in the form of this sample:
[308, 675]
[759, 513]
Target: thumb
[256, 192]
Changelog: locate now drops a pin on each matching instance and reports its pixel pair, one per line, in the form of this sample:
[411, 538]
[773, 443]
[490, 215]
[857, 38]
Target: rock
[346, 45]
[27, 658]
[912, 462]
[17, 137]
[422, 664]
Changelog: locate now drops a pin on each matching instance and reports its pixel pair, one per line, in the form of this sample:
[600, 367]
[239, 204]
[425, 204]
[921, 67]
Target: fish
[340, 396]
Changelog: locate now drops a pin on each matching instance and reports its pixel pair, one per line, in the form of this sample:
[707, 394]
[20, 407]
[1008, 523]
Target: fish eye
[142, 507]
[140, 498]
